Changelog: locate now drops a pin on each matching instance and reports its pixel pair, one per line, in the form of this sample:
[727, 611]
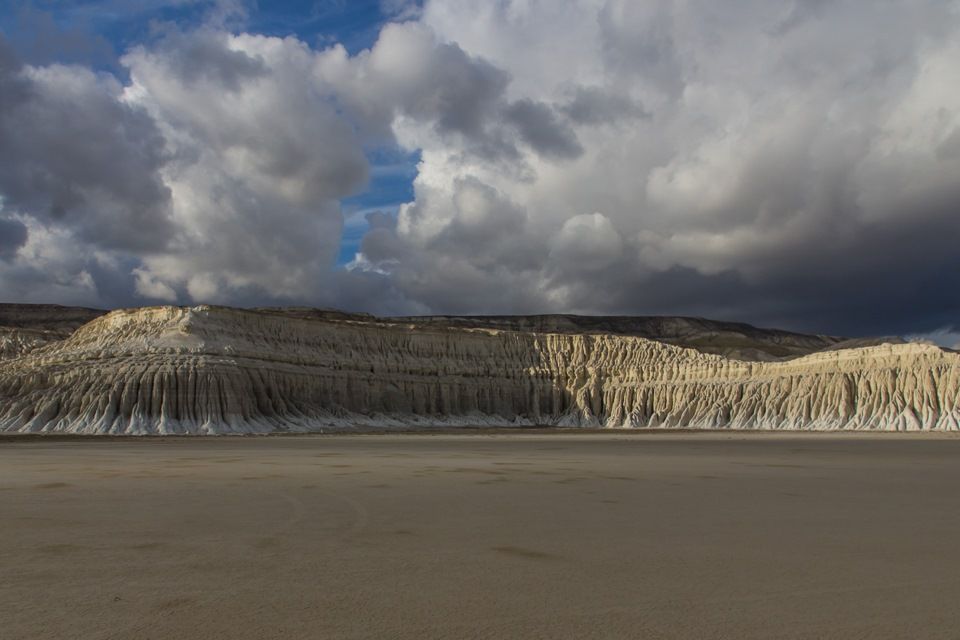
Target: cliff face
[217, 370]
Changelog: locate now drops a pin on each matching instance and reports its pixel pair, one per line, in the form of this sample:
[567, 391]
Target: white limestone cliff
[217, 370]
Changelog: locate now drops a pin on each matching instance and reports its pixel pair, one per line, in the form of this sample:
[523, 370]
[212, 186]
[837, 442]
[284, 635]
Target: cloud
[48, 268]
[782, 162]
[400, 10]
[598, 105]
[811, 186]
[75, 155]
[947, 337]
[410, 77]
[80, 189]
[540, 128]
[259, 161]
[586, 242]
[13, 235]
[205, 56]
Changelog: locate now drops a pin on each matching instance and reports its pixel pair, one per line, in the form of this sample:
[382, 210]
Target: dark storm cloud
[886, 277]
[73, 154]
[540, 128]
[409, 73]
[204, 56]
[461, 91]
[594, 105]
[14, 90]
[637, 39]
[13, 235]
[380, 220]
[786, 163]
[782, 162]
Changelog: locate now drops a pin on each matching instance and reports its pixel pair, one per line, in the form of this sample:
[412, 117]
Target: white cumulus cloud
[777, 161]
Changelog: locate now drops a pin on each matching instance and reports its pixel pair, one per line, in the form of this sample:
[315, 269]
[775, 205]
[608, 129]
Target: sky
[788, 163]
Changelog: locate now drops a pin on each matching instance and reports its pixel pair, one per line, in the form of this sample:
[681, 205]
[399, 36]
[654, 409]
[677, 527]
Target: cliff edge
[210, 370]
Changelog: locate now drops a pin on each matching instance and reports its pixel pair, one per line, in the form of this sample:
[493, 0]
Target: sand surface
[481, 536]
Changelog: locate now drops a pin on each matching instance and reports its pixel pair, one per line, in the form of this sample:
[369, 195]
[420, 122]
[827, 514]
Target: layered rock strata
[211, 370]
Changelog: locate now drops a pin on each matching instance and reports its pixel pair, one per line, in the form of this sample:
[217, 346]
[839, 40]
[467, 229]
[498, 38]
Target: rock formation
[214, 370]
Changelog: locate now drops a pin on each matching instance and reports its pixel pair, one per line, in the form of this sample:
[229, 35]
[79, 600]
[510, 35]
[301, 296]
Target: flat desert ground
[546, 535]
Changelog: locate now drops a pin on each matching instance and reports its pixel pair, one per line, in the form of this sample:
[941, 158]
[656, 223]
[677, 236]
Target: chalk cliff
[219, 370]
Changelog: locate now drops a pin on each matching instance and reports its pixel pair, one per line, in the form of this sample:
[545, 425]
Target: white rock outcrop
[209, 370]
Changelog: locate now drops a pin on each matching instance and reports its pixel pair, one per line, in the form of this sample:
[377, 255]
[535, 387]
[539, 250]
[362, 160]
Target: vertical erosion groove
[215, 370]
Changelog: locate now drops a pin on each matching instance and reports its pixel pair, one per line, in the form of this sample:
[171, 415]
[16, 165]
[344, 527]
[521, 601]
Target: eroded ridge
[212, 370]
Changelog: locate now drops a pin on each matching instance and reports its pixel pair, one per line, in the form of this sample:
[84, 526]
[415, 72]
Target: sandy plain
[521, 535]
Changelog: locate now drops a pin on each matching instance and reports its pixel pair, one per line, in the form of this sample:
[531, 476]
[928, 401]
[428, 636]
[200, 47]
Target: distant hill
[732, 339]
